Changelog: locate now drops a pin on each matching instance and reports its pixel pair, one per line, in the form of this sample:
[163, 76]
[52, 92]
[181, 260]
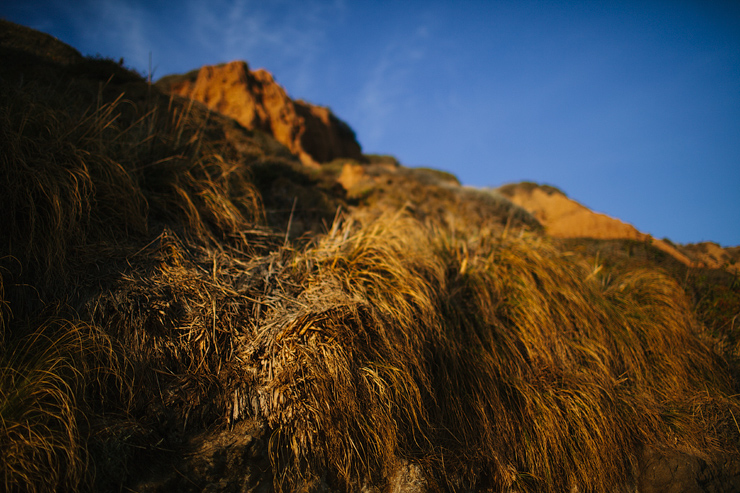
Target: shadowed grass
[56, 183]
[91, 185]
[45, 377]
[179, 322]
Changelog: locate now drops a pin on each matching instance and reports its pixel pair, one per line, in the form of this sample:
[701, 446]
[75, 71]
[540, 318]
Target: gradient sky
[632, 109]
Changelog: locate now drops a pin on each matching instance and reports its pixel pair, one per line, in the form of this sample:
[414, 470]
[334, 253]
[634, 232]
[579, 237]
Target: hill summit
[256, 101]
[563, 217]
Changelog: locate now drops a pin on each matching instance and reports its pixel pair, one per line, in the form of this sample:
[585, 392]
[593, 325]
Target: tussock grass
[430, 195]
[713, 294]
[45, 378]
[58, 184]
[94, 183]
[179, 322]
[91, 185]
[354, 375]
[494, 360]
[140, 300]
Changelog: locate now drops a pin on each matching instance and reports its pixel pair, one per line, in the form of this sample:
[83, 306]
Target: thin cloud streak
[287, 42]
[389, 87]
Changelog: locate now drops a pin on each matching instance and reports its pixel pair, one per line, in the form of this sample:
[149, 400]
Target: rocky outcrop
[256, 101]
[563, 217]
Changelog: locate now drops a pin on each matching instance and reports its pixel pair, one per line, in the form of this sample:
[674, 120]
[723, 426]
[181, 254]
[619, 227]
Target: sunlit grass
[483, 356]
[429, 322]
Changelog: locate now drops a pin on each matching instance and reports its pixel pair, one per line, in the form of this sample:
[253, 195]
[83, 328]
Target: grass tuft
[491, 359]
[91, 185]
[45, 378]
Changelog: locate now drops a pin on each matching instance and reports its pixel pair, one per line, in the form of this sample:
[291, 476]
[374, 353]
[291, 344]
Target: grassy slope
[165, 271]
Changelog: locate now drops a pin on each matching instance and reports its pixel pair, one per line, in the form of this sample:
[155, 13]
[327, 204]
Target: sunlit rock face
[563, 217]
[256, 101]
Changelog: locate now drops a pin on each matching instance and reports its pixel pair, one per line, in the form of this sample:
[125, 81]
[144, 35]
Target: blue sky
[633, 109]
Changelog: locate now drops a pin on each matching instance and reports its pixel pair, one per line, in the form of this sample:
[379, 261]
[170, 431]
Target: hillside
[188, 303]
[563, 217]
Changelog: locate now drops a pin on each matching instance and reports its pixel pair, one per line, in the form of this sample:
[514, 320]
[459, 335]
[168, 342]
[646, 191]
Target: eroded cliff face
[256, 101]
[563, 217]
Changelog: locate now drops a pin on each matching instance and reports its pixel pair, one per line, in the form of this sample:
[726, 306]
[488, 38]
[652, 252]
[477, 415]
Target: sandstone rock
[256, 101]
[565, 218]
[354, 176]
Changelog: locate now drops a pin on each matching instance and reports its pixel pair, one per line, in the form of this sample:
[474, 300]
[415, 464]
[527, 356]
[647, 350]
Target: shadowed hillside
[186, 306]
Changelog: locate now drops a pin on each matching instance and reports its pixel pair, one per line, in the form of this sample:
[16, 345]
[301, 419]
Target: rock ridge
[563, 217]
[257, 101]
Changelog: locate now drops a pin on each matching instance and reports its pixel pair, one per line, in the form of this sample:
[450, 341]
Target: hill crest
[256, 101]
[563, 217]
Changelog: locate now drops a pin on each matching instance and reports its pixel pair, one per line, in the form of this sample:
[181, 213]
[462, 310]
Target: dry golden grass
[493, 359]
[45, 378]
[426, 194]
[714, 294]
[430, 324]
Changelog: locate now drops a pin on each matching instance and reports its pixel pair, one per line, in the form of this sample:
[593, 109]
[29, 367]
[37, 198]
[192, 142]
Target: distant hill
[565, 218]
[226, 295]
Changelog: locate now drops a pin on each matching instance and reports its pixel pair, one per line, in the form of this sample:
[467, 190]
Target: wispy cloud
[285, 37]
[389, 85]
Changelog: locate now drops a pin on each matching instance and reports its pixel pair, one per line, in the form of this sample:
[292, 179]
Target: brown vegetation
[185, 306]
